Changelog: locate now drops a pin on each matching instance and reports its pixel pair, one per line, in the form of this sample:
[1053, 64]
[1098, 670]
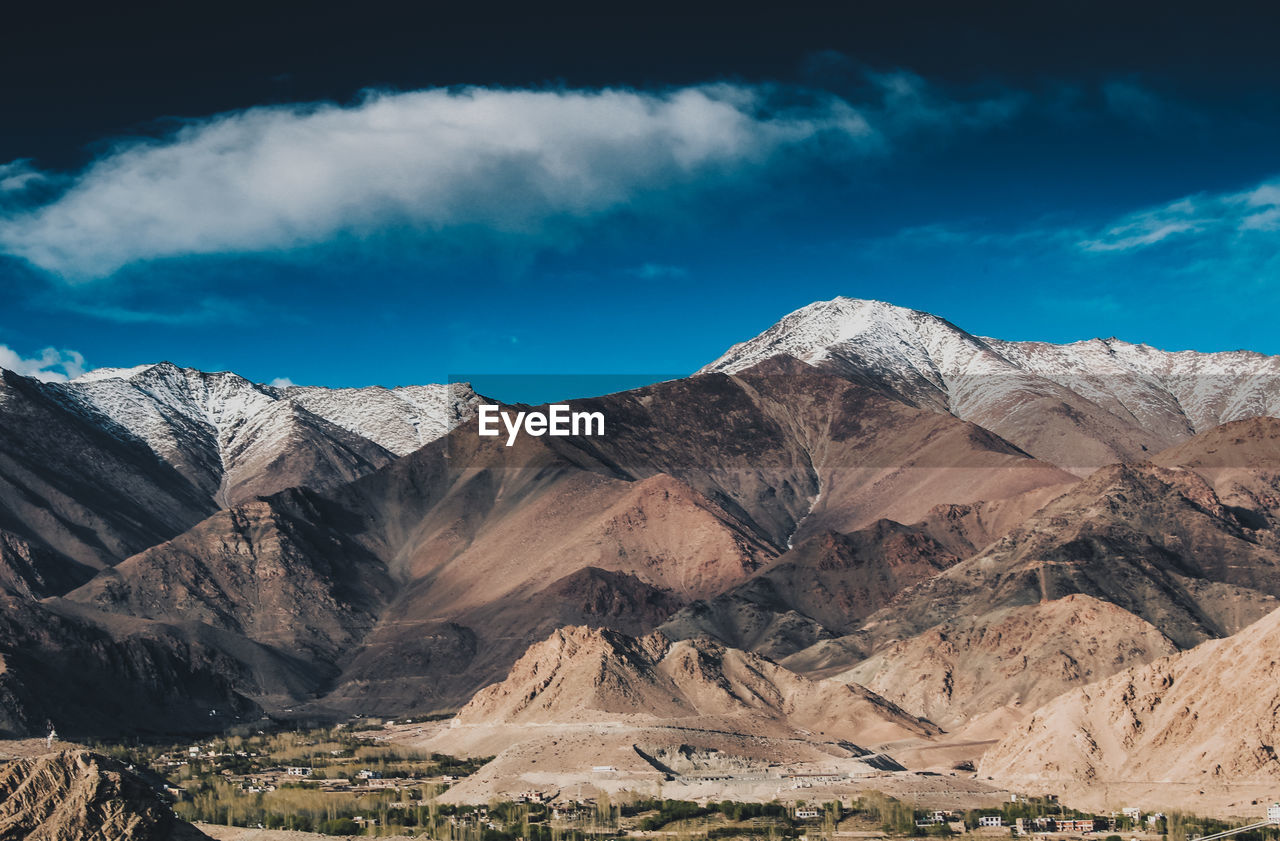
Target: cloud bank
[516, 162]
[52, 365]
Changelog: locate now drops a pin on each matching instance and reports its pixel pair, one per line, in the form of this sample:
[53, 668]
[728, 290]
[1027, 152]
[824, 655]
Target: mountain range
[864, 507]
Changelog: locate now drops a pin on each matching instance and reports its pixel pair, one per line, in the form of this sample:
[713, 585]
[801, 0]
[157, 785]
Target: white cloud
[52, 365]
[282, 382]
[519, 162]
[1224, 219]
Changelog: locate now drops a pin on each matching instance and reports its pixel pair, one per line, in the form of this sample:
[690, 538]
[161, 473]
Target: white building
[807, 814]
[990, 820]
[294, 771]
[1273, 812]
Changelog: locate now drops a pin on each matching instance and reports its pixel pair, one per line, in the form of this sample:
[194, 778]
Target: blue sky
[375, 232]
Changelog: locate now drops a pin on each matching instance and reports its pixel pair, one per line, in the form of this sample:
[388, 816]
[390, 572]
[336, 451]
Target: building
[1273, 813]
[807, 813]
[297, 771]
[991, 820]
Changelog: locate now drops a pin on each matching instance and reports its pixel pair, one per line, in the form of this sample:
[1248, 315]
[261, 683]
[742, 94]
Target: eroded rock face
[76, 794]
[1208, 715]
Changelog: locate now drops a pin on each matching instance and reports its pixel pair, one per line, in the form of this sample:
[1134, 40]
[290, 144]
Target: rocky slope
[101, 673]
[81, 795]
[582, 675]
[79, 487]
[1130, 564]
[1011, 660]
[276, 571]
[1155, 541]
[1200, 717]
[824, 586]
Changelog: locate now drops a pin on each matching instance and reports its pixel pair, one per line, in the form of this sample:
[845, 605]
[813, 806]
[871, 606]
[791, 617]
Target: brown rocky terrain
[1192, 721]
[264, 570]
[1241, 460]
[32, 570]
[584, 675]
[98, 673]
[1155, 541]
[1014, 658]
[650, 709]
[1130, 564]
[79, 491]
[824, 586]
[75, 794]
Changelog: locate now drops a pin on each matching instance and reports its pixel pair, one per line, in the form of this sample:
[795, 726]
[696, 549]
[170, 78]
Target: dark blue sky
[297, 194]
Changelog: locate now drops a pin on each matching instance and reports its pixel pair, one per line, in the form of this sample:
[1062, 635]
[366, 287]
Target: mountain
[855, 493]
[1156, 541]
[1132, 563]
[98, 469]
[78, 492]
[235, 439]
[416, 585]
[82, 795]
[1241, 460]
[101, 673]
[266, 570]
[588, 675]
[823, 586]
[1014, 658]
[1191, 721]
[630, 713]
[1079, 406]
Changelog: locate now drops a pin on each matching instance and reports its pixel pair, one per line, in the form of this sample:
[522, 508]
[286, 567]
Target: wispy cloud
[18, 176]
[52, 365]
[1148, 227]
[1218, 220]
[523, 163]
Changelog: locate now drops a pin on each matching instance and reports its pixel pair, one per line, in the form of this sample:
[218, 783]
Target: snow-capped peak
[1133, 396]
[201, 422]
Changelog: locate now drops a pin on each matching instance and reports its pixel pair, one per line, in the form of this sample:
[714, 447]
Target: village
[338, 781]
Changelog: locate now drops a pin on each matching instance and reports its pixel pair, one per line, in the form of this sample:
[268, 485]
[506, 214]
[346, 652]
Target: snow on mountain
[401, 419]
[230, 436]
[1078, 405]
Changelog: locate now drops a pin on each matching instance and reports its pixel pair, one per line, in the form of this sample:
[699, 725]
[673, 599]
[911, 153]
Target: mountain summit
[1078, 405]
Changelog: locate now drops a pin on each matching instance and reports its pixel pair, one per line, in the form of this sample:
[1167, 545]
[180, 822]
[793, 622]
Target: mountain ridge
[1077, 405]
